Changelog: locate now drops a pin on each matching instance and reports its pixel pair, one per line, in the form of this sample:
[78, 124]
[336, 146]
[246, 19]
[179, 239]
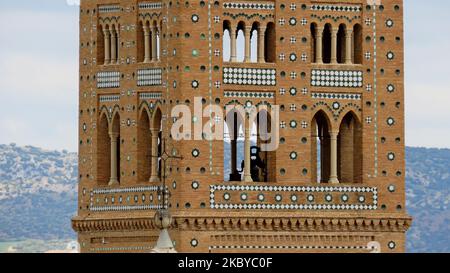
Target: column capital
[154, 132]
[334, 133]
[113, 135]
[249, 29]
[319, 31]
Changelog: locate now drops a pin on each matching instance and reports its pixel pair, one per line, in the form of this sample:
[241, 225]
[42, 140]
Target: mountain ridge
[38, 195]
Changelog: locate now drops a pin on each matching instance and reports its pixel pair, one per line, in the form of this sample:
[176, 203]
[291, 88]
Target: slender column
[234, 147]
[319, 41]
[261, 44]
[233, 156]
[113, 47]
[323, 154]
[233, 57]
[348, 46]
[247, 146]
[107, 43]
[154, 168]
[158, 43]
[334, 33]
[248, 34]
[154, 44]
[113, 179]
[147, 44]
[333, 157]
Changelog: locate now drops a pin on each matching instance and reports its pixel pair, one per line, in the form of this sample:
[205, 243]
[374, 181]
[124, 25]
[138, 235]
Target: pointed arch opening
[326, 44]
[157, 139]
[144, 140]
[233, 146]
[141, 41]
[254, 38]
[100, 44]
[103, 151]
[357, 44]
[270, 42]
[350, 149]
[159, 40]
[313, 43]
[341, 46]
[320, 148]
[226, 41]
[240, 42]
[263, 162]
[114, 43]
[154, 37]
[115, 150]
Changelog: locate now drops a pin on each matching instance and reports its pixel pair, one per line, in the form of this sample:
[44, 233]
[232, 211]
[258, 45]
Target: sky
[39, 72]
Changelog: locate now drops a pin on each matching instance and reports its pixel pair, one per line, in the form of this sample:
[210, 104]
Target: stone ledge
[293, 224]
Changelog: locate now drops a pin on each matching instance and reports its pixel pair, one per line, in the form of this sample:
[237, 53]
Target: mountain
[428, 198]
[38, 195]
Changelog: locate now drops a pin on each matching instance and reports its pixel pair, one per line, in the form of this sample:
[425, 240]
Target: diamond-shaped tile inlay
[109, 79]
[336, 96]
[336, 78]
[249, 76]
[257, 6]
[149, 77]
[336, 8]
[239, 94]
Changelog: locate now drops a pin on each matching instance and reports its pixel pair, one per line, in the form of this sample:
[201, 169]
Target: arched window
[326, 44]
[115, 150]
[103, 151]
[226, 40]
[270, 40]
[159, 40]
[240, 42]
[320, 148]
[350, 150]
[144, 141]
[154, 41]
[102, 41]
[313, 43]
[341, 47]
[357, 44]
[254, 41]
[141, 41]
[233, 146]
[114, 37]
[157, 140]
[263, 162]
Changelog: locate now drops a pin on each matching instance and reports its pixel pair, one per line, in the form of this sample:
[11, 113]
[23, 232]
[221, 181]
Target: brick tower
[334, 70]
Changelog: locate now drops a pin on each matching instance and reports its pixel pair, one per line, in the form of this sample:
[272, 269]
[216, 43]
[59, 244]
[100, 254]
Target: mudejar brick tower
[333, 69]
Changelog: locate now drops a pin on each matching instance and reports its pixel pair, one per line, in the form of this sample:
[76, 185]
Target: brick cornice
[293, 224]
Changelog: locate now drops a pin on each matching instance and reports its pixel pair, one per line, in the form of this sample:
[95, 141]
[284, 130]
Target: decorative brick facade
[337, 180]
